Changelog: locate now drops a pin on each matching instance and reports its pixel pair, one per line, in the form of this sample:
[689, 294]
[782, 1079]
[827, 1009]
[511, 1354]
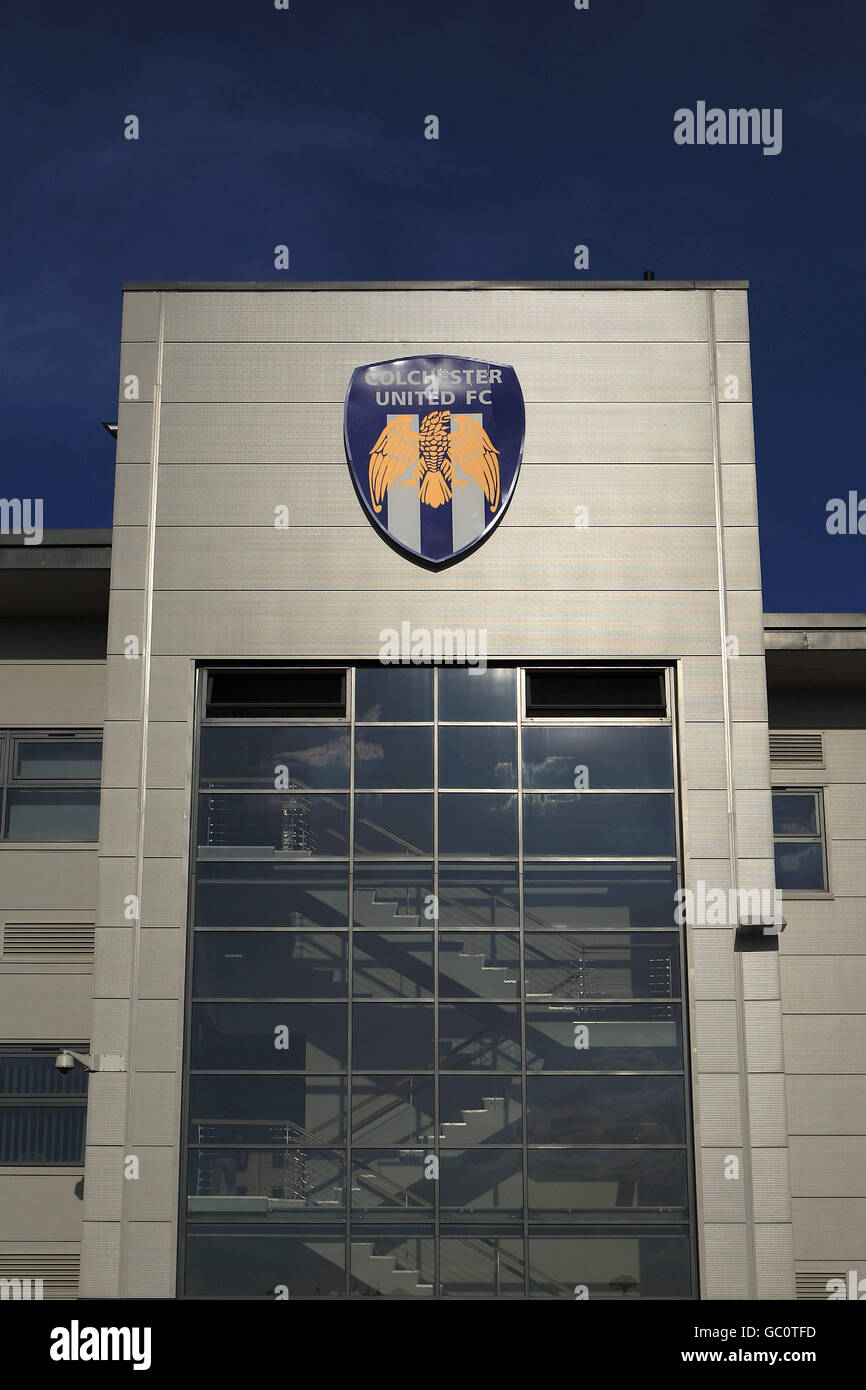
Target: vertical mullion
[521, 999]
[350, 978]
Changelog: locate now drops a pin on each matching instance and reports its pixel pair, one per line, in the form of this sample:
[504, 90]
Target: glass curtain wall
[436, 1034]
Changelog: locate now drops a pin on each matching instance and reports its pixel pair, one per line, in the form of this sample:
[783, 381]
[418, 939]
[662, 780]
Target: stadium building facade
[447, 879]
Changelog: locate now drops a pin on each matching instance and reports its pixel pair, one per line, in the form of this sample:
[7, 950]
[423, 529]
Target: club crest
[434, 447]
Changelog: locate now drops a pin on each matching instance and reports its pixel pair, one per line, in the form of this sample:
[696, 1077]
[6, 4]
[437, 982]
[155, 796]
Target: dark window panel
[800, 865]
[392, 1035]
[269, 693]
[393, 757]
[394, 824]
[245, 1037]
[250, 1263]
[581, 755]
[58, 759]
[479, 1036]
[480, 1267]
[612, 1037]
[272, 895]
[56, 813]
[393, 965]
[470, 694]
[383, 1178]
[393, 1266]
[480, 1110]
[610, 1265]
[471, 823]
[42, 1134]
[604, 823]
[602, 965]
[255, 757]
[393, 694]
[795, 813]
[608, 1184]
[565, 692]
[563, 896]
[264, 1184]
[480, 896]
[393, 895]
[267, 1110]
[289, 822]
[479, 966]
[270, 965]
[473, 756]
[392, 1110]
[605, 1110]
[24, 1073]
[483, 1182]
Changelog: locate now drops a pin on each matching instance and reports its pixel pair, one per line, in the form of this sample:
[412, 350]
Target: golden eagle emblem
[440, 456]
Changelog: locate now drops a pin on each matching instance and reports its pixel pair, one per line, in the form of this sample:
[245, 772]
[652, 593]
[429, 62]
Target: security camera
[64, 1061]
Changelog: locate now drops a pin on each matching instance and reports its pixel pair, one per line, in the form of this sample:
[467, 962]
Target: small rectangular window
[276, 694]
[799, 841]
[572, 693]
[42, 1110]
[51, 786]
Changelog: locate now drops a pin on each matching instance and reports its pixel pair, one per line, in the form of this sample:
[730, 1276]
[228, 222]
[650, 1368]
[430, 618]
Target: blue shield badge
[434, 447]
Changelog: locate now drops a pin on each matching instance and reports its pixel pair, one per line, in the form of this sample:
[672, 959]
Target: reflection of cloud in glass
[367, 752]
[334, 751]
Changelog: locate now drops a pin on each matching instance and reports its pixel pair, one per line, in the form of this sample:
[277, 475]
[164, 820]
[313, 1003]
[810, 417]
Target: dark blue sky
[305, 127]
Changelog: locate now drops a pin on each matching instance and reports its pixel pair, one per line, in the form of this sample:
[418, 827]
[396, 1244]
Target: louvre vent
[40, 940]
[812, 1284]
[797, 750]
[58, 1273]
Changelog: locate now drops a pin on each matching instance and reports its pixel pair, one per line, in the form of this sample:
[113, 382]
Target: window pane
[42, 1133]
[58, 813]
[795, 813]
[57, 758]
[611, 1184]
[34, 1074]
[256, 757]
[472, 823]
[480, 1110]
[251, 1263]
[391, 1178]
[393, 895]
[393, 965]
[596, 1037]
[270, 965]
[478, 895]
[393, 757]
[267, 1110]
[627, 756]
[479, 1036]
[264, 1183]
[609, 965]
[390, 1110]
[800, 864]
[269, 1037]
[467, 693]
[276, 693]
[286, 823]
[394, 823]
[393, 693]
[610, 1266]
[481, 1268]
[606, 823]
[474, 756]
[388, 1036]
[480, 1181]
[481, 967]
[272, 895]
[599, 895]
[605, 1110]
[569, 692]
[393, 1266]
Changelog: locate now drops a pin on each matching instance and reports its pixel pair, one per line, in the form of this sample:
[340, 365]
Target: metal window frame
[819, 838]
[10, 738]
[533, 1226]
